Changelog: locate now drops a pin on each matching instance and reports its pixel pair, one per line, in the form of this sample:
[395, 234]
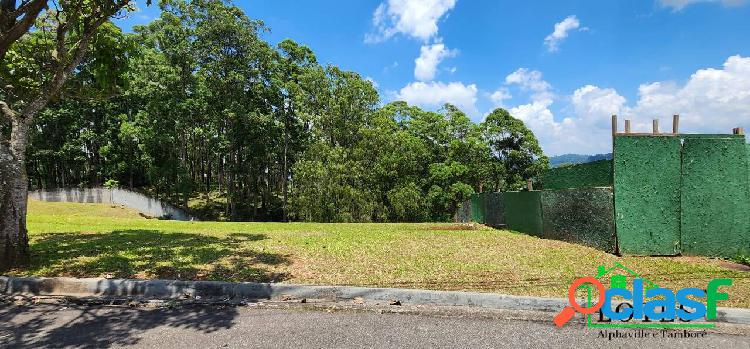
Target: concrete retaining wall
[137, 201]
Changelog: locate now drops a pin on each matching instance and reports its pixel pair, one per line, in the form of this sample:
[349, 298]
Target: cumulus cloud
[435, 94]
[586, 132]
[429, 58]
[530, 80]
[677, 5]
[712, 100]
[499, 96]
[536, 114]
[414, 18]
[562, 30]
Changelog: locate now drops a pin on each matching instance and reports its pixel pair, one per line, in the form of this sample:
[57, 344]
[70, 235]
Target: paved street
[237, 327]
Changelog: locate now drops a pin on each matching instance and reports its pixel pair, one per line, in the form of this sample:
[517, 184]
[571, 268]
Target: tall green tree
[64, 34]
[197, 109]
[516, 154]
[295, 61]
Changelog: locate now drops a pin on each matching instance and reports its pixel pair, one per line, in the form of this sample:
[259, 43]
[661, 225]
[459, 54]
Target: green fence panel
[523, 211]
[584, 216]
[715, 205]
[477, 208]
[494, 214]
[647, 194]
[588, 175]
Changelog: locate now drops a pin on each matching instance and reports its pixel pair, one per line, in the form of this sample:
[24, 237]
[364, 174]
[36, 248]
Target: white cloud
[677, 5]
[499, 96]
[711, 101]
[414, 18]
[587, 132]
[435, 94]
[429, 58]
[561, 31]
[530, 80]
[537, 114]
[593, 105]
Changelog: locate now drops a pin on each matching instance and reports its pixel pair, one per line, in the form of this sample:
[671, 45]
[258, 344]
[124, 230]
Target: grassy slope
[86, 240]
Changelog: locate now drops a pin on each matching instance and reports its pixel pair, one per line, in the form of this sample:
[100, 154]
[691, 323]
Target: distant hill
[555, 161]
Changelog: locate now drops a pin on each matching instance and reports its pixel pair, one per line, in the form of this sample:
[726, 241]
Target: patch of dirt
[735, 266]
[465, 226]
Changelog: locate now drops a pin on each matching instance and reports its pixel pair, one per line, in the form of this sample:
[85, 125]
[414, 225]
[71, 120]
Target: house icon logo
[619, 280]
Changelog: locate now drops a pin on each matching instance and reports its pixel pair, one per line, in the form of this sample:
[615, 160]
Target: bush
[111, 184]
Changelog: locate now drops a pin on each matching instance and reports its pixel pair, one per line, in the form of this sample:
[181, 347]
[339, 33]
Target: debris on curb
[185, 293]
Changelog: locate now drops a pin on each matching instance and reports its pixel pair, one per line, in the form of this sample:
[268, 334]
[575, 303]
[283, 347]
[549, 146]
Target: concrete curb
[166, 289]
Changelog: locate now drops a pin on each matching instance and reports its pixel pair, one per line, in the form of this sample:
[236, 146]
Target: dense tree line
[196, 108]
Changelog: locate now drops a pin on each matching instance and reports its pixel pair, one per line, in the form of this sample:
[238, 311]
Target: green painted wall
[584, 216]
[494, 215]
[647, 194]
[592, 174]
[477, 208]
[715, 217]
[485, 208]
[523, 211]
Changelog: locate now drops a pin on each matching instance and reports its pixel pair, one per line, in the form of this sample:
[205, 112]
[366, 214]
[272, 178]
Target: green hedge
[588, 175]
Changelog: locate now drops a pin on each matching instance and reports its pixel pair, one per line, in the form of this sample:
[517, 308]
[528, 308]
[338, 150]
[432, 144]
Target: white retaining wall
[137, 201]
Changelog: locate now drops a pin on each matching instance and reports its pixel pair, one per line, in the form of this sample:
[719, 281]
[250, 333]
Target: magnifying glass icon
[566, 314]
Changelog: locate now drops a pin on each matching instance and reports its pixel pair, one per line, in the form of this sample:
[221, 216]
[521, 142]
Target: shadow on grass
[154, 254]
[43, 326]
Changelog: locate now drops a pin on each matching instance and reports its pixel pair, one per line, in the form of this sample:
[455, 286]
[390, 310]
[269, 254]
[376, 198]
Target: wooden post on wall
[627, 126]
[675, 124]
[614, 125]
[529, 185]
[656, 127]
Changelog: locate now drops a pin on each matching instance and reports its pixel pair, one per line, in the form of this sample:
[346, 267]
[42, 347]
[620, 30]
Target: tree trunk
[285, 177]
[14, 241]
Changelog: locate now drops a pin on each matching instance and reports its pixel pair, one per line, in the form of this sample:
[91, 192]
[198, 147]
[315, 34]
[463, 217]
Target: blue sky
[561, 66]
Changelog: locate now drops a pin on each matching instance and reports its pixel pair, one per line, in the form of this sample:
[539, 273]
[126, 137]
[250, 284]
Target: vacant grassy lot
[85, 240]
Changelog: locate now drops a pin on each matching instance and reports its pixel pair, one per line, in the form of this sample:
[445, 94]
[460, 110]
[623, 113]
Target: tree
[294, 62]
[16, 19]
[67, 30]
[197, 109]
[516, 154]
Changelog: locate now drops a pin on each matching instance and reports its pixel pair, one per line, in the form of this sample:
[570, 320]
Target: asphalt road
[257, 327]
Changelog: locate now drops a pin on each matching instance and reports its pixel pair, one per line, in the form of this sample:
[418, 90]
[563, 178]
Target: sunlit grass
[88, 240]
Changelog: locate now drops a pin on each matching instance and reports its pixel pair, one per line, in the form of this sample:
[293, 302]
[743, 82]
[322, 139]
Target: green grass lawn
[88, 240]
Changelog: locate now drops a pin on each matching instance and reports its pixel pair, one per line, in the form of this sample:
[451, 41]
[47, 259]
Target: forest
[196, 108]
